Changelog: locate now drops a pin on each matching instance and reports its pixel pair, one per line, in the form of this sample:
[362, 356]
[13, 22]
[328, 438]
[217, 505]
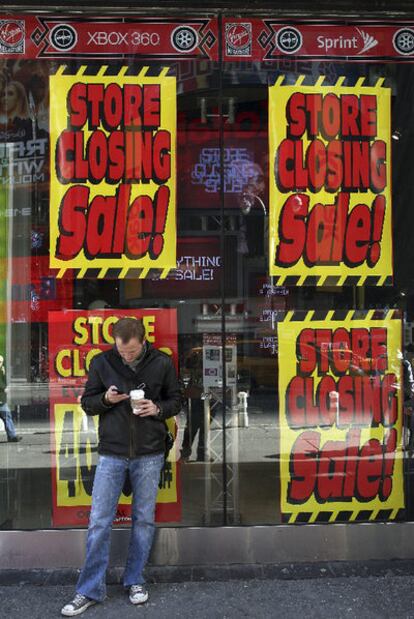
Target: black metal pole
[223, 278]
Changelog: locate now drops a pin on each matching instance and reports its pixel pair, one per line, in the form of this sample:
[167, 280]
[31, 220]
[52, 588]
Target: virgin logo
[11, 33]
[238, 35]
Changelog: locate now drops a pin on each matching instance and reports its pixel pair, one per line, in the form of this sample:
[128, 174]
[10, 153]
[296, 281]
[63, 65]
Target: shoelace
[137, 589]
[78, 598]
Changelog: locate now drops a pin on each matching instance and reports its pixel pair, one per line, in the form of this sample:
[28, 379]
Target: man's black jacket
[120, 431]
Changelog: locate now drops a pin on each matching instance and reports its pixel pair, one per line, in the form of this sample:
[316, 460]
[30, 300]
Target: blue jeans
[5, 415]
[110, 475]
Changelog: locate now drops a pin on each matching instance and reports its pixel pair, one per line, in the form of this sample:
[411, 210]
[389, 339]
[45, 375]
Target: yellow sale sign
[75, 338]
[330, 183]
[113, 171]
[76, 438]
[340, 417]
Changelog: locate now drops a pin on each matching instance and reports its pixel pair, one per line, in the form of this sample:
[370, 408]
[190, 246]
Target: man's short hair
[128, 328]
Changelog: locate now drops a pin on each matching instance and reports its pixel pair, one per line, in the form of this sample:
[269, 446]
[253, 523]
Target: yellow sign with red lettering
[330, 183]
[340, 417]
[75, 337]
[113, 171]
[76, 438]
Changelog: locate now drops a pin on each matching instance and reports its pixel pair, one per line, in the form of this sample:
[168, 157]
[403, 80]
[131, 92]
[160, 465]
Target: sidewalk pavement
[370, 597]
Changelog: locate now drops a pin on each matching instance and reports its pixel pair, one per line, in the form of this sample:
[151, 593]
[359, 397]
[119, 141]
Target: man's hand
[147, 408]
[113, 397]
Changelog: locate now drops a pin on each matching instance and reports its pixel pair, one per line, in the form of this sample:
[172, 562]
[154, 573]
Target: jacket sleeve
[171, 396]
[92, 400]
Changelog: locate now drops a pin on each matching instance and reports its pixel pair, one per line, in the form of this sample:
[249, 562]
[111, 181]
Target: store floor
[363, 597]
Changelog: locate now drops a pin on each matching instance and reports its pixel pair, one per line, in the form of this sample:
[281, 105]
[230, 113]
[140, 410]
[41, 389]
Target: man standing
[129, 442]
[195, 410]
[5, 413]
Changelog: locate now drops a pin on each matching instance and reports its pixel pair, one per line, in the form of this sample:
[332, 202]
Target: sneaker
[138, 594]
[77, 606]
[15, 439]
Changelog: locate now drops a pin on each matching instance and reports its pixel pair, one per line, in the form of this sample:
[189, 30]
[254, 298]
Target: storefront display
[244, 184]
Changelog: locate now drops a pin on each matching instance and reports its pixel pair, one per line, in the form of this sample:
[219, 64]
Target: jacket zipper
[131, 437]
[131, 427]
[131, 441]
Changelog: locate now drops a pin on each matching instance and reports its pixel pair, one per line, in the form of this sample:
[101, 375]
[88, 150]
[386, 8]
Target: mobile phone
[117, 390]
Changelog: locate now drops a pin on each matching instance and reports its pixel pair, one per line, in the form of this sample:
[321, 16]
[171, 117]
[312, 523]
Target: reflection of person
[15, 122]
[5, 413]
[34, 75]
[13, 102]
[408, 385]
[195, 412]
[253, 209]
[131, 444]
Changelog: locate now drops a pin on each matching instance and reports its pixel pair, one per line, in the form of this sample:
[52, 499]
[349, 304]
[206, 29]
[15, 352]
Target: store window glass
[321, 409]
[110, 160]
[253, 210]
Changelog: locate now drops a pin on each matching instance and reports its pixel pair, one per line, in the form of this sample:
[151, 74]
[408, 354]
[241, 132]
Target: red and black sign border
[206, 44]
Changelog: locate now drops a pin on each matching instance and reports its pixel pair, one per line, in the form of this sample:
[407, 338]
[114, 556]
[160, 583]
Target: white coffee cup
[136, 395]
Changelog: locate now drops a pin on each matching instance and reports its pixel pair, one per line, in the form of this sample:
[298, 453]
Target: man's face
[129, 351]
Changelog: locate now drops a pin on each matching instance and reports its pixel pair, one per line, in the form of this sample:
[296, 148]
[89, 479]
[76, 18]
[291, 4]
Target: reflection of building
[219, 292]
